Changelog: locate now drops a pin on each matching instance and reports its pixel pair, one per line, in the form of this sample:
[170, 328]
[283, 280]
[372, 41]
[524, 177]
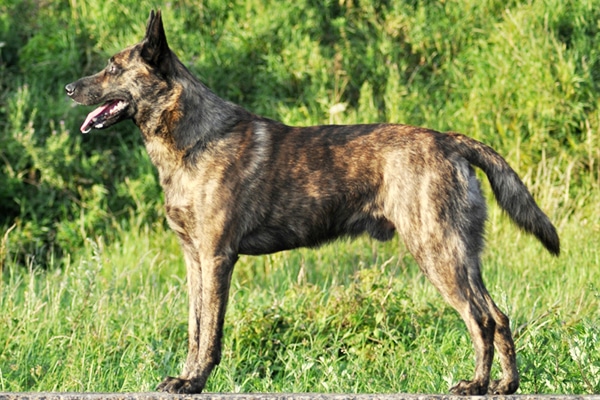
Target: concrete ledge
[273, 396]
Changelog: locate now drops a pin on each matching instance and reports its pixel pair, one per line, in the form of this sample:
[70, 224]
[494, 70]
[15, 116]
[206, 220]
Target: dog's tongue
[87, 124]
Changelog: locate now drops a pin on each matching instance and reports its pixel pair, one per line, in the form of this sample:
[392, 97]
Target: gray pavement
[273, 396]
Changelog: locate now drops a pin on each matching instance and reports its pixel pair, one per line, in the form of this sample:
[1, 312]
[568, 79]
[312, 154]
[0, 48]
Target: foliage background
[92, 292]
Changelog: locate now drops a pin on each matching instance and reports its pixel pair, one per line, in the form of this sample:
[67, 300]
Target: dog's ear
[155, 49]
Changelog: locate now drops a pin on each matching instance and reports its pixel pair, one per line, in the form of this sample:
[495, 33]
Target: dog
[237, 183]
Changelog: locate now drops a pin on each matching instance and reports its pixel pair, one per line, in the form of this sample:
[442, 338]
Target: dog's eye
[113, 69]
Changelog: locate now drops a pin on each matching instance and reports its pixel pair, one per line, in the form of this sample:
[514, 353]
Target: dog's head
[139, 72]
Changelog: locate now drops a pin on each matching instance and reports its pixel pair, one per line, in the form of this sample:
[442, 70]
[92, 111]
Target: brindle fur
[237, 183]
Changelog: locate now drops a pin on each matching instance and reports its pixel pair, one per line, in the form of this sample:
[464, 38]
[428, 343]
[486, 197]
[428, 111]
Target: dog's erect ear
[155, 49]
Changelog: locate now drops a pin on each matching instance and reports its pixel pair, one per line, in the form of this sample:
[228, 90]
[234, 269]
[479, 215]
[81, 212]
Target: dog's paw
[469, 388]
[177, 385]
[503, 387]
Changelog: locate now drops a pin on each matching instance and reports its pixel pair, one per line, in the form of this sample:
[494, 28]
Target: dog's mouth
[107, 114]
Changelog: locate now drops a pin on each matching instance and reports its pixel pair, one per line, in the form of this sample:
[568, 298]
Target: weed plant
[93, 296]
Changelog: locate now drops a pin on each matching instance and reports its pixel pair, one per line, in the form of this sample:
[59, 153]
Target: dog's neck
[204, 116]
[193, 118]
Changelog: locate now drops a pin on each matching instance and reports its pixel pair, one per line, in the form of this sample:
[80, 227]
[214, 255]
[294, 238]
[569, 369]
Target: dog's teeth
[117, 107]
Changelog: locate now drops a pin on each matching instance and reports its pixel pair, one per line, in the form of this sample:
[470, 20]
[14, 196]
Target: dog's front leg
[194, 280]
[208, 284]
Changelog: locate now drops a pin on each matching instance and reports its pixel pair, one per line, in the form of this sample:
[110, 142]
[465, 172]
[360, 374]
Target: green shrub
[521, 76]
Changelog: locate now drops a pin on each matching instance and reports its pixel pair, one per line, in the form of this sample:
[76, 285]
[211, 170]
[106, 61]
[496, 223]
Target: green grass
[350, 317]
[93, 293]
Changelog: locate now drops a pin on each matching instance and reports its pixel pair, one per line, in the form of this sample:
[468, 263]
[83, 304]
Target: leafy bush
[519, 75]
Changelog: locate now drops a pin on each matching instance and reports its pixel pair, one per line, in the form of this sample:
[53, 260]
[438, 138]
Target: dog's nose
[70, 89]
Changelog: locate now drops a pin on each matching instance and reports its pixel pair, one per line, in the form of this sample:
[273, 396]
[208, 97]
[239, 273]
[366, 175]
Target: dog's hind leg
[448, 272]
[502, 337]
[505, 346]
[442, 226]
[472, 231]
[503, 341]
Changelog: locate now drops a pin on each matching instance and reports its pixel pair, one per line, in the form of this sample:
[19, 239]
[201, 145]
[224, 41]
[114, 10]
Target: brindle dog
[237, 183]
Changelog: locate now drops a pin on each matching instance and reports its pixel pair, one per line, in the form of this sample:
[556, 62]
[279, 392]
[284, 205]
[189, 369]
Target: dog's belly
[267, 241]
[271, 239]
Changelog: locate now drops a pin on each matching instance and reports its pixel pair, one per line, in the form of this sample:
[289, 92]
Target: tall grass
[351, 317]
[92, 291]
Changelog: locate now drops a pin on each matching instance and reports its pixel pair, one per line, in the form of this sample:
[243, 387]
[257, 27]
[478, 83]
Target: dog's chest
[191, 199]
[181, 192]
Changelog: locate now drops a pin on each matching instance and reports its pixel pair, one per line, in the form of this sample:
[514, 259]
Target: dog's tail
[511, 193]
